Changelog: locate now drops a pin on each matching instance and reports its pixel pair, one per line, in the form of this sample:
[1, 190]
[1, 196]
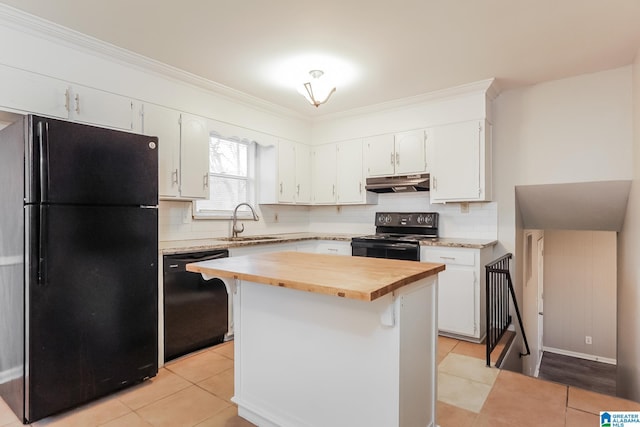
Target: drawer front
[450, 256]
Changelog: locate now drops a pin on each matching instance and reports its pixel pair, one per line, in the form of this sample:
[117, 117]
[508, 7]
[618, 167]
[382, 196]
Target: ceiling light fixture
[317, 90]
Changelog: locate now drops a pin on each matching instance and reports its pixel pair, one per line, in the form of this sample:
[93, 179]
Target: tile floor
[196, 391]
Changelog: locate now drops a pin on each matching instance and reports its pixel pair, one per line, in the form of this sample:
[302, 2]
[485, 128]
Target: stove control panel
[407, 219]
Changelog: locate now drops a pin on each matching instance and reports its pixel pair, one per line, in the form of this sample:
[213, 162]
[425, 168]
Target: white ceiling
[391, 49]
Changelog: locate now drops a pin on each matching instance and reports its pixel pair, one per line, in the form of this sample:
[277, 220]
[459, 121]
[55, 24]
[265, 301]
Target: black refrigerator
[78, 263]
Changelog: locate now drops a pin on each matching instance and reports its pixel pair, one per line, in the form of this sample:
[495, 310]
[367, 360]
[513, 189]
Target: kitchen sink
[246, 238]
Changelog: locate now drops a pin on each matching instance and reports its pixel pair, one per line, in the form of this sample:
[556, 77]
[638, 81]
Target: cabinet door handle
[66, 100]
[77, 97]
[334, 189]
[360, 187]
[298, 189]
[435, 183]
[448, 257]
[174, 177]
[397, 158]
[392, 158]
[280, 188]
[205, 180]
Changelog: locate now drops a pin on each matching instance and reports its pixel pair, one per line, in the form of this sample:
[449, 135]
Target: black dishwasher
[195, 310]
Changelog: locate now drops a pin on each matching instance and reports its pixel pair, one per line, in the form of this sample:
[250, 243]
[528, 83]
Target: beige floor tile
[200, 366]
[461, 392]
[518, 400]
[225, 349]
[452, 416]
[187, 407]
[226, 418]
[446, 344]
[162, 385]
[129, 420]
[466, 348]
[6, 414]
[92, 414]
[577, 418]
[468, 367]
[589, 401]
[220, 384]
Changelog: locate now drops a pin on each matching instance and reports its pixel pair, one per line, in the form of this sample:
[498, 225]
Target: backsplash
[480, 222]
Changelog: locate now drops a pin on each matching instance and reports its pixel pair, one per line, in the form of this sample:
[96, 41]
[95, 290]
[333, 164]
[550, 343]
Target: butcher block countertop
[358, 278]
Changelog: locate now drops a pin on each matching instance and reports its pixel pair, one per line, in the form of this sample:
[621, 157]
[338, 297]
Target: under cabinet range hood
[398, 184]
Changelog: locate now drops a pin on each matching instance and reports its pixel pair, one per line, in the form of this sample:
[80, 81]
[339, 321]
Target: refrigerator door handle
[43, 142]
[42, 235]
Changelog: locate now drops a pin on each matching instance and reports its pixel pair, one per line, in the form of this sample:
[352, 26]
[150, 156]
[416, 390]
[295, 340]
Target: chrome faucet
[235, 230]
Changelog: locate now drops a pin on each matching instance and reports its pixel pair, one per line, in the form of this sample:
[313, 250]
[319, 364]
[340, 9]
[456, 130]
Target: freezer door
[73, 163]
[93, 304]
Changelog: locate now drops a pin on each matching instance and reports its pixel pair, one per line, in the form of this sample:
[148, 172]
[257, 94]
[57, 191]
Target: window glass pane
[226, 193]
[228, 157]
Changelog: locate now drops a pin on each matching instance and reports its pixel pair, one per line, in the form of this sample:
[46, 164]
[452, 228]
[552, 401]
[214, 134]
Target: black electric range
[398, 235]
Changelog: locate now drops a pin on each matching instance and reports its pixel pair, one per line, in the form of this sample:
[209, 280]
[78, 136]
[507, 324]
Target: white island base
[307, 359]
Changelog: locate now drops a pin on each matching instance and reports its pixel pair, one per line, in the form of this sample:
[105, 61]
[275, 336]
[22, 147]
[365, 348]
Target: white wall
[577, 129]
[580, 292]
[629, 269]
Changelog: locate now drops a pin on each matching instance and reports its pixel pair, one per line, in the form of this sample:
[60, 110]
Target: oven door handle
[395, 246]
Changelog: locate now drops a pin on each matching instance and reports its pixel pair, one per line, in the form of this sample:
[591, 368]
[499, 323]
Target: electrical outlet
[588, 340]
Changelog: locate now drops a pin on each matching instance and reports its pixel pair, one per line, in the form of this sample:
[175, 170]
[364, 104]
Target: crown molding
[42, 28]
[488, 87]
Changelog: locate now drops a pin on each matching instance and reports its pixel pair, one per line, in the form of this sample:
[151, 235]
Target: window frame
[226, 214]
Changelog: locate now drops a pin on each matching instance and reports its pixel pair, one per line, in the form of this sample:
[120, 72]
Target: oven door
[388, 250]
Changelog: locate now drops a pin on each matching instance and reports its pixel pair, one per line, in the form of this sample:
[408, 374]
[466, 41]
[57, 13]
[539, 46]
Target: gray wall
[580, 292]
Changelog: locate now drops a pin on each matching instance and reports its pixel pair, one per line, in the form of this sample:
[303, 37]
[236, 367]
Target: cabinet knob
[77, 103]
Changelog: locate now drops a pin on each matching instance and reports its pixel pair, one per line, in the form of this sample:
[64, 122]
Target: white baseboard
[581, 355]
[10, 374]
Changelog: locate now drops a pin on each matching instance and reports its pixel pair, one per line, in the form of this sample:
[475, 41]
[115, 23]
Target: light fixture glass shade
[317, 90]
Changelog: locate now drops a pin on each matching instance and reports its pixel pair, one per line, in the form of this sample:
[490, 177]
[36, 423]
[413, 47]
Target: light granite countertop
[460, 243]
[181, 246]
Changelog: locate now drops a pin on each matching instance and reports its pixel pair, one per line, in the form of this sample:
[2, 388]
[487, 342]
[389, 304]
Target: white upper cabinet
[410, 152]
[93, 106]
[338, 174]
[303, 174]
[194, 157]
[402, 153]
[380, 155]
[284, 173]
[324, 174]
[183, 152]
[165, 124]
[34, 93]
[350, 172]
[460, 162]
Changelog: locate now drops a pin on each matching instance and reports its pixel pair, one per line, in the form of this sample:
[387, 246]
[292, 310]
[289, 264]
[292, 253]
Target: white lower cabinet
[262, 249]
[461, 290]
[333, 247]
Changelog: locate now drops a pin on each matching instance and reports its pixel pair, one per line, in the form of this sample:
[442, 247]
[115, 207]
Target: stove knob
[381, 219]
[387, 219]
[420, 219]
[429, 220]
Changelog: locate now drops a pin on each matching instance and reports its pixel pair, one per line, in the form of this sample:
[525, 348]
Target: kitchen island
[332, 340]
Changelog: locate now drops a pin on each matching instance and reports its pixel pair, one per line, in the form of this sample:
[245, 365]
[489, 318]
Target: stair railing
[499, 286]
